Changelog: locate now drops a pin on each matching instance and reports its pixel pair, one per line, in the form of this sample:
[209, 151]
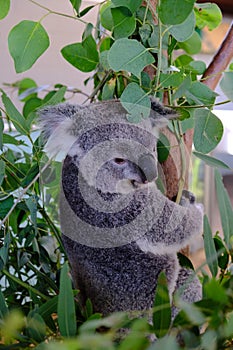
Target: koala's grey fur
[119, 276]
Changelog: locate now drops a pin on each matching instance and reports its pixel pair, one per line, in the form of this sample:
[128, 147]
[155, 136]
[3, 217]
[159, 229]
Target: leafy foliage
[37, 304]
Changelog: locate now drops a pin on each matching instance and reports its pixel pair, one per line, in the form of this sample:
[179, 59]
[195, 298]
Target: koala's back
[118, 279]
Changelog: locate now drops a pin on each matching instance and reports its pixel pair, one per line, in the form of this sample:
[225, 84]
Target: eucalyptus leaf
[210, 251]
[215, 291]
[166, 343]
[57, 97]
[199, 93]
[211, 161]
[36, 327]
[183, 88]
[226, 84]
[129, 55]
[192, 45]
[182, 32]
[136, 102]
[225, 208]
[208, 131]
[3, 307]
[208, 14]
[1, 132]
[14, 115]
[85, 10]
[66, 306]
[4, 8]
[23, 44]
[162, 313]
[223, 257]
[76, 4]
[106, 15]
[109, 89]
[131, 5]
[175, 12]
[83, 56]
[2, 171]
[124, 23]
[171, 80]
[163, 148]
[31, 203]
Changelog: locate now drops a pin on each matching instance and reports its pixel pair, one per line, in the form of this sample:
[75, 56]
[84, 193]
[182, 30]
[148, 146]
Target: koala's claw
[188, 196]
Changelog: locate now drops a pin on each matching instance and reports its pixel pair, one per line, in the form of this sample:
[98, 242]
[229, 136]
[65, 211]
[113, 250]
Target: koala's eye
[119, 160]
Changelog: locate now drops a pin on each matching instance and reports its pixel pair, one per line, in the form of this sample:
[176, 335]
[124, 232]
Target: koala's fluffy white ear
[56, 124]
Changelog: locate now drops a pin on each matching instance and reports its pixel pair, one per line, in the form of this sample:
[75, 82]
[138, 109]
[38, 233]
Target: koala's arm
[174, 225]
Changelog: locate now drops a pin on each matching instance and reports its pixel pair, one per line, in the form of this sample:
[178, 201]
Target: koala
[118, 229]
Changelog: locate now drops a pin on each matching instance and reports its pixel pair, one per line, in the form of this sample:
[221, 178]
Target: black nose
[147, 164]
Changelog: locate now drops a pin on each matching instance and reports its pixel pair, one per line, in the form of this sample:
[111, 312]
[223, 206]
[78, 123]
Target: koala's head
[111, 153]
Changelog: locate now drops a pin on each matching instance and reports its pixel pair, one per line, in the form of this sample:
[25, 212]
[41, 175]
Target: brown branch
[220, 61]
[210, 78]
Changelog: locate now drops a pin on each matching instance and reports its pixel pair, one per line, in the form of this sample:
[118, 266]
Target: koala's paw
[187, 198]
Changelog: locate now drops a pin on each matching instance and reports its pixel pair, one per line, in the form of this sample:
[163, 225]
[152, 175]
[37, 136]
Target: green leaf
[223, 257]
[136, 102]
[216, 292]
[5, 206]
[27, 41]
[163, 148]
[30, 106]
[225, 208]
[106, 15]
[199, 93]
[83, 56]
[4, 8]
[184, 261]
[192, 312]
[226, 84]
[109, 89]
[196, 67]
[208, 14]
[162, 316]
[3, 306]
[57, 97]
[211, 161]
[129, 55]
[26, 84]
[86, 10]
[4, 250]
[208, 131]
[36, 327]
[182, 32]
[175, 12]
[47, 309]
[2, 171]
[183, 88]
[154, 39]
[15, 117]
[66, 306]
[124, 22]
[210, 251]
[166, 343]
[76, 4]
[31, 203]
[192, 45]
[171, 80]
[131, 5]
[1, 131]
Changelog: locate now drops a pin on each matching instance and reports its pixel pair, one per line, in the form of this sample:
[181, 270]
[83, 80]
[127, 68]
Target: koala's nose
[148, 165]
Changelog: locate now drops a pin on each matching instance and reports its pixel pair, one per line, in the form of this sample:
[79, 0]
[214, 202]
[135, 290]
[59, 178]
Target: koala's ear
[160, 115]
[56, 125]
